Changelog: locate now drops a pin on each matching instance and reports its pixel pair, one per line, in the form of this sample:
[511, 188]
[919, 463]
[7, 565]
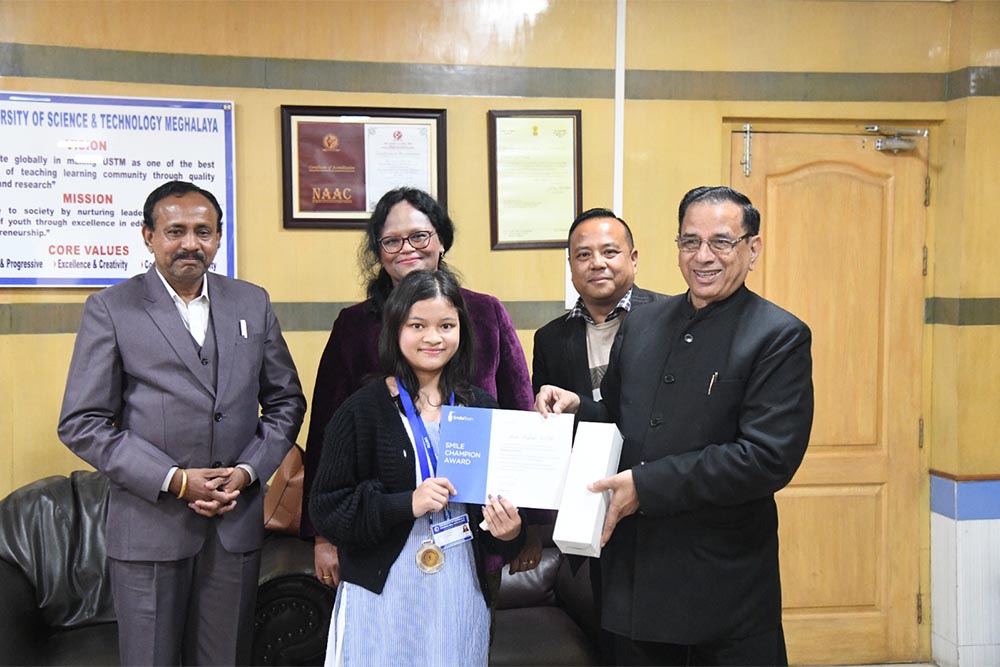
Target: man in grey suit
[183, 392]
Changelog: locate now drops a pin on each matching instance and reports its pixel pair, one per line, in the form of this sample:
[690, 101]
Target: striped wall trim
[962, 312]
[39, 318]
[63, 318]
[53, 318]
[965, 501]
[974, 82]
[299, 316]
[785, 86]
[979, 477]
[61, 62]
[56, 318]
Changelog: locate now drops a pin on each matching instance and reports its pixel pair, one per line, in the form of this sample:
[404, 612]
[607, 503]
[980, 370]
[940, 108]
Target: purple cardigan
[351, 355]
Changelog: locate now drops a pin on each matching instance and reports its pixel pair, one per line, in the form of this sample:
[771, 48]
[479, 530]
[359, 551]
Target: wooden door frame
[735, 125]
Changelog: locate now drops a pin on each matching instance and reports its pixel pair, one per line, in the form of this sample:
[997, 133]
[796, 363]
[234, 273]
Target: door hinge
[923, 269]
[927, 191]
[746, 149]
[920, 608]
[920, 433]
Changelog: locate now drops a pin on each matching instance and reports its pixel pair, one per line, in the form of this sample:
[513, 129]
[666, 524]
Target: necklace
[427, 400]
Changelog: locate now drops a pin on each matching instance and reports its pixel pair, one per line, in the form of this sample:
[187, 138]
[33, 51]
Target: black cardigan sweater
[362, 495]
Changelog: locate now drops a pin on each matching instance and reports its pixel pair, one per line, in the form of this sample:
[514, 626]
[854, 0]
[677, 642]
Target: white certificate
[519, 455]
[398, 154]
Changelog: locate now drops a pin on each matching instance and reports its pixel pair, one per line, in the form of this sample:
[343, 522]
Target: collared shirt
[194, 314]
[580, 309]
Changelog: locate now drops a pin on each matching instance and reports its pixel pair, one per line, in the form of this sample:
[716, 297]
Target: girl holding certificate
[408, 231]
[413, 587]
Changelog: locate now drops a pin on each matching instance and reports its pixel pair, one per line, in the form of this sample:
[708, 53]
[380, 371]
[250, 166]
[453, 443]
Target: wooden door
[843, 230]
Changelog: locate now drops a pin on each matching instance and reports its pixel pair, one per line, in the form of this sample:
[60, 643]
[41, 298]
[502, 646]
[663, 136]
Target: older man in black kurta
[712, 391]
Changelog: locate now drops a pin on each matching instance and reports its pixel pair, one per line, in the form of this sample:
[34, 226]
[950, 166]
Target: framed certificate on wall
[535, 177]
[337, 162]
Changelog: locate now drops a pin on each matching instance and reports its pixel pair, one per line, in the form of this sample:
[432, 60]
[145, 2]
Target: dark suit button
[216, 464]
[669, 379]
[218, 416]
[655, 421]
[688, 338]
[204, 362]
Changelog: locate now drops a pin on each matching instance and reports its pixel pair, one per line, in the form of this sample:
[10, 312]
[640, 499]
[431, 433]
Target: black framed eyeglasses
[394, 244]
[720, 246]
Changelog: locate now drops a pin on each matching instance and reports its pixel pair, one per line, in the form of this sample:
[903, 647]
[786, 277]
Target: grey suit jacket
[136, 405]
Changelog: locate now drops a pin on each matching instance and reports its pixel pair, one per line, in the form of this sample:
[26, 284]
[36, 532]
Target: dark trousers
[195, 611]
[605, 639]
[756, 651]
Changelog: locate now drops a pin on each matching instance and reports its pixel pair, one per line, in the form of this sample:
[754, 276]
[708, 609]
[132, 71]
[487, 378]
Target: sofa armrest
[532, 588]
[293, 610]
[20, 623]
[282, 555]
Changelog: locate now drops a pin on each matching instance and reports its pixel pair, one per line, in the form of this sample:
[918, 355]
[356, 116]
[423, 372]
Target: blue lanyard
[428, 462]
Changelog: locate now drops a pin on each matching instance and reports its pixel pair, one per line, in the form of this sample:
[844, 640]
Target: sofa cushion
[19, 619]
[92, 646]
[539, 636]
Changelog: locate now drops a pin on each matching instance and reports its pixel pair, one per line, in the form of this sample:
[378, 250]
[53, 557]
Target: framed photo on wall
[337, 162]
[535, 177]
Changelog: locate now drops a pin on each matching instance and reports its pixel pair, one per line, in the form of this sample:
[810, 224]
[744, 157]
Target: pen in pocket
[711, 383]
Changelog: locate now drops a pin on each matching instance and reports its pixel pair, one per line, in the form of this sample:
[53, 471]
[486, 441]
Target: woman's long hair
[378, 284]
[420, 286]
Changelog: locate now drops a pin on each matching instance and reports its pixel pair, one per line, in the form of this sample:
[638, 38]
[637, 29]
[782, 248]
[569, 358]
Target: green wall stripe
[62, 62]
[39, 318]
[61, 318]
[785, 86]
[962, 312]
[974, 82]
[302, 316]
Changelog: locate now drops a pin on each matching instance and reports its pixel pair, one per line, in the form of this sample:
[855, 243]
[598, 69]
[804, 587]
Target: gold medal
[430, 558]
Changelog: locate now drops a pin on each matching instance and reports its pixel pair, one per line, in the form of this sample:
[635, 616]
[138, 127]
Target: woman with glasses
[408, 231]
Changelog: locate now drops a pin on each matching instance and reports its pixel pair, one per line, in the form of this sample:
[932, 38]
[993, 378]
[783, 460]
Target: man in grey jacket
[182, 391]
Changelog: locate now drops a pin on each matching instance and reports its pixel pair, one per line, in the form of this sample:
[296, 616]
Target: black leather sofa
[56, 604]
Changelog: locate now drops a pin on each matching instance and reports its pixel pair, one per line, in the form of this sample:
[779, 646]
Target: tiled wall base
[984, 656]
[965, 573]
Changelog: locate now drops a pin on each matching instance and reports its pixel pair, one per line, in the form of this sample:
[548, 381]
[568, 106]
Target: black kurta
[716, 408]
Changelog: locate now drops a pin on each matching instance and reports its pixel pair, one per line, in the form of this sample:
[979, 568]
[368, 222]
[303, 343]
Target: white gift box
[596, 450]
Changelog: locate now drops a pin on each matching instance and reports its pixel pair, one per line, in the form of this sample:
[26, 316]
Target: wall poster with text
[75, 172]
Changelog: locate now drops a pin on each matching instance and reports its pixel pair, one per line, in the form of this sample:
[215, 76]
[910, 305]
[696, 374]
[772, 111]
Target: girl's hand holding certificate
[432, 495]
